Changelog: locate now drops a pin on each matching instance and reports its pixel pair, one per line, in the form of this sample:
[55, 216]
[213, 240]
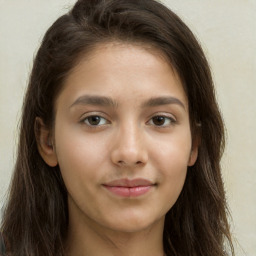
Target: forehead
[124, 69]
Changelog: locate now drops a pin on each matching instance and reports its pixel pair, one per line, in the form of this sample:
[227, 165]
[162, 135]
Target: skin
[128, 142]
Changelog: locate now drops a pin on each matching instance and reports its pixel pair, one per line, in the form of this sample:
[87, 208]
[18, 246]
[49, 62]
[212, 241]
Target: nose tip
[133, 156]
[129, 150]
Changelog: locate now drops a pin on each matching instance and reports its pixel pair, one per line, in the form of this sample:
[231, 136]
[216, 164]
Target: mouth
[129, 188]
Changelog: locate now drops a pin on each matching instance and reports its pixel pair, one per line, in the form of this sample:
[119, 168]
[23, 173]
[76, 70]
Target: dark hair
[36, 217]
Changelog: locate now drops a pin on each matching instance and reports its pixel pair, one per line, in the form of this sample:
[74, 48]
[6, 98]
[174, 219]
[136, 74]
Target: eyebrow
[95, 101]
[108, 102]
[165, 100]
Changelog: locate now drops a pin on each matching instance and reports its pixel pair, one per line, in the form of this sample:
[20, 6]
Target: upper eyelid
[167, 115]
[93, 113]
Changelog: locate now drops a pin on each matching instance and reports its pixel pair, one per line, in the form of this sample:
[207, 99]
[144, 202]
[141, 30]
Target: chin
[131, 223]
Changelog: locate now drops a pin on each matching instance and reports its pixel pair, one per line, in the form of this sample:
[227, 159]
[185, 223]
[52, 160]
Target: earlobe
[193, 156]
[45, 142]
[194, 152]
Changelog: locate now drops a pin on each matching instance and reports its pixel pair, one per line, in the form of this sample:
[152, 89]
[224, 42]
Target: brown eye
[161, 121]
[95, 120]
[158, 120]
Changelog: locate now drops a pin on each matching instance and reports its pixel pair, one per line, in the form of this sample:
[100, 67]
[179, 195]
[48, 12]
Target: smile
[129, 188]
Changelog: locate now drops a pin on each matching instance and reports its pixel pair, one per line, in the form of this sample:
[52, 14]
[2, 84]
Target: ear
[194, 151]
[45, 142]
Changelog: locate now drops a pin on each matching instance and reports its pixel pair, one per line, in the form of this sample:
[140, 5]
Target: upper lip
[129, 183]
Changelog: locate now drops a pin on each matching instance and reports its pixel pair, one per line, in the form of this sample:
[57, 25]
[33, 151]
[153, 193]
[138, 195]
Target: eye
[95, 120]
[162, 121]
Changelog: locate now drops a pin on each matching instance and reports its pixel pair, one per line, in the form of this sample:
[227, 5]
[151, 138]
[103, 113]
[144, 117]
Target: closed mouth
[129, 188]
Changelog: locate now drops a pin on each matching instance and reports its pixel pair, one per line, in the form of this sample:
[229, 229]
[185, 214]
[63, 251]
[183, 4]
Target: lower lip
[129, 192]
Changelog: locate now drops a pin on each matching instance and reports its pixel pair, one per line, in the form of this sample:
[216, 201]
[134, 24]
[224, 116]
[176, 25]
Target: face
[122, 137]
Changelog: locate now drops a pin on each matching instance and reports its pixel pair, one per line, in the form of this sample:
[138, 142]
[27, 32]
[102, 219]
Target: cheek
[172, 168]
[171, 159]
[80, 157]
[172, 152]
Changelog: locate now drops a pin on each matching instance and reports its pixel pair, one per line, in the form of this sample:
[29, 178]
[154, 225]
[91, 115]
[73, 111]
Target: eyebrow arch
[95, 100]
[158, 101]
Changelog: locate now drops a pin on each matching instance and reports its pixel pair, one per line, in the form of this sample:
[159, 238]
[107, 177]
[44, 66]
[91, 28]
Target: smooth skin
[123, 114]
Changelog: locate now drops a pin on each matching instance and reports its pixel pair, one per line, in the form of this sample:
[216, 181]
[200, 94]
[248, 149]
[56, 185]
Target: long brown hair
[36, 217]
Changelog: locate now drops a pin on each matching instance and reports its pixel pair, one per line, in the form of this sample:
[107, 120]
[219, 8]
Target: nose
[129, 148]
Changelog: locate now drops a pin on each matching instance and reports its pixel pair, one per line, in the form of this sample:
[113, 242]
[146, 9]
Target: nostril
[124, 163]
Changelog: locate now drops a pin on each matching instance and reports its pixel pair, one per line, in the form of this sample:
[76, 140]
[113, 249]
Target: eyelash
[171, 121]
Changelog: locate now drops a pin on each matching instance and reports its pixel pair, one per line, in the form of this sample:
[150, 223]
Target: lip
[129, 188]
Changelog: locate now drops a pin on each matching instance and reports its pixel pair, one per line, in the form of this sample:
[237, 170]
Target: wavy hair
[35, 219]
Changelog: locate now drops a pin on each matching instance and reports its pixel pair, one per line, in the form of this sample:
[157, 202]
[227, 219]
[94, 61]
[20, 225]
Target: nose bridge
[129, 145]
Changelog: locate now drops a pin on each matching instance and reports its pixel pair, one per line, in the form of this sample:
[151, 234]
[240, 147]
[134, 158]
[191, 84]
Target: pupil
[94, 120]
[158, 120]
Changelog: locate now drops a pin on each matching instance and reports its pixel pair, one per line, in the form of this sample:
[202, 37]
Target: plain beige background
[227, 31]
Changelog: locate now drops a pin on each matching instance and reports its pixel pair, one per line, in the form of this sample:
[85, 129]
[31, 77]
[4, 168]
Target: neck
[88, 238]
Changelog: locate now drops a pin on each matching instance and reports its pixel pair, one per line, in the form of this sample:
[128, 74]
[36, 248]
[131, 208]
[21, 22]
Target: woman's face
[122, 138]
